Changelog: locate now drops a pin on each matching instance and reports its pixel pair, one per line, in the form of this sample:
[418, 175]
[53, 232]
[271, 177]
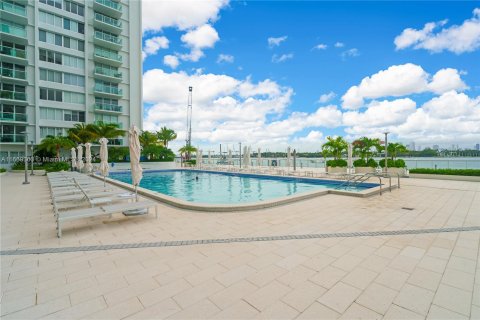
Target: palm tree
[81, 133]
[166, 135]
[187, 151]
[55, 143]
[148, 139]
[334, 147]
[366, 147]
[106, 130]
[395, 148]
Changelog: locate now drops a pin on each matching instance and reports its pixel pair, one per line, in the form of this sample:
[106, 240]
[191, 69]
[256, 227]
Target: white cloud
[198, 39]
[320, 46]
[313, 140]
[282, 58]
[227, 58]
[180, 14]
[350, 53]
[171, 61]
[450, 118]
[229, 110]
[457, 39]
[339, 45]
[401, 80]
[154, 44]
[275, 42]
[326, 97]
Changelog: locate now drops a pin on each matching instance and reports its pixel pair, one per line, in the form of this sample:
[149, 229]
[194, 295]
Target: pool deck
[322, 258]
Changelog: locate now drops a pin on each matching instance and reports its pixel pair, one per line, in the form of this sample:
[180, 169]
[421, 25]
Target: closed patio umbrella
[88, 157]
[199, 156]
[80, 164]
[230, 159]
[103, 158]
[289, 156]
[246, 161]
[259, 156]
[134, 145]
[209, 157]
[350, 160]
[74, 158]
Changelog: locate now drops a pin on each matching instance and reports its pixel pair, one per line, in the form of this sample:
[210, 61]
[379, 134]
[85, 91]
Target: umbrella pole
[104, 184]
[136, 194]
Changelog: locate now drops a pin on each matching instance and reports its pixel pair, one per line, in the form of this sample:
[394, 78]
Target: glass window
[58, 39]
[66, 24]
[42, 35]
[66, 42]
[81, 28]
[81, 46]
[43, 93]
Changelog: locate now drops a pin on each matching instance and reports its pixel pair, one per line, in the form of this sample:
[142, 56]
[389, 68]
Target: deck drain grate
[407, 208]
[234, 240]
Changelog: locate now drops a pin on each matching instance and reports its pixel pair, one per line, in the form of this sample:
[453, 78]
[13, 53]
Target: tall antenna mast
[189, 117]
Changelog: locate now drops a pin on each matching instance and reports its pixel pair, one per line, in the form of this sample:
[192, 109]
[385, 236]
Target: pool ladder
[354, 180]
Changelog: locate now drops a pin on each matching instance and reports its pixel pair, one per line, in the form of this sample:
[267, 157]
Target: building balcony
[107, 91]
[107, 57]
[13, 54]
[107, 40]
[13, 95]
[13, 11]
[106, 23]
[13, 33]
[107, 108]
[13, 117]
[118, 124]
[12, 138]
[108, 74]
[115, 142]
[108, 7]
[13, 74]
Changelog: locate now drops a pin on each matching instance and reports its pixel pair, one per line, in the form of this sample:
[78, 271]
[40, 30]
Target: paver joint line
[233, 240]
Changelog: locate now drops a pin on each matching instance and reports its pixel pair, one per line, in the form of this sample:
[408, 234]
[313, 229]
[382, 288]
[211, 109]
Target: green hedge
[3, 170]
[362, 163]
[48, 166]
[453, 172]
[337, 163]
[399, 163]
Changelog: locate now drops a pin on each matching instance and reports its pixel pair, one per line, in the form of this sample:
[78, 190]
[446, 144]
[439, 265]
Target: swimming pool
[227, 188]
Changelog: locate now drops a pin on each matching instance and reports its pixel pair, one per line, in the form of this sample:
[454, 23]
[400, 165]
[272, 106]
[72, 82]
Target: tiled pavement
[435, 275]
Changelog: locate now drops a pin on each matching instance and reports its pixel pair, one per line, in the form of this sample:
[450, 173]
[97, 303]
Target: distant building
[435, 147]
[477, 147]
[411, 146]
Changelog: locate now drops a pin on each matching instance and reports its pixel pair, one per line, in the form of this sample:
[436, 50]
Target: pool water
[227, 188]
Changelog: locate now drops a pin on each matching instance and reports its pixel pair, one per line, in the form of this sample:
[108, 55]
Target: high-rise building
[65, 62]
[477, 146]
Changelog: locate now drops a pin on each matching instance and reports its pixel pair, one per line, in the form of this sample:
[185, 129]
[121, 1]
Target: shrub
[456, 172]
[372, 163]
[192, 162]
[360, 163]
[399, 163]
[337, 163]
[2, 170]
[117, 154]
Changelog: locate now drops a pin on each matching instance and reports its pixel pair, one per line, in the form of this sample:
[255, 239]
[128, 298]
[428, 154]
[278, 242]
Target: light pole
[31, 148]
[386, 147]
[25, 158]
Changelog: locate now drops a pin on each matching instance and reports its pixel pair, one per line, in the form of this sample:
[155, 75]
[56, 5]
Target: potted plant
[365, 148]
[394, 166]
[362, 166]
[335, 147]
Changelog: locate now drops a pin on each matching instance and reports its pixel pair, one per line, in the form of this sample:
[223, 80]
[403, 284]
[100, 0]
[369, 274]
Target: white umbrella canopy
[350, 159]
[246, 160]
[230, 159]
[259, 156]
[289, 156]
[74, 158]
[209, 156]
[88, 157]
[134, 145]
[104, 168]
[199, 156]
[80, 164]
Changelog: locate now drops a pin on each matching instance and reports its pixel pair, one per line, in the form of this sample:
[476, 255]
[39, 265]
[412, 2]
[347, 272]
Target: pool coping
[208, 207]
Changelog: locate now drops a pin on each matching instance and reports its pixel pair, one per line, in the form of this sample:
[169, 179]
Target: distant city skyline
[278, 74]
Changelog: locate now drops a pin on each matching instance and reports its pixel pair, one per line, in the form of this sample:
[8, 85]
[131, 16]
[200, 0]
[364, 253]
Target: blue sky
[316, 48]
